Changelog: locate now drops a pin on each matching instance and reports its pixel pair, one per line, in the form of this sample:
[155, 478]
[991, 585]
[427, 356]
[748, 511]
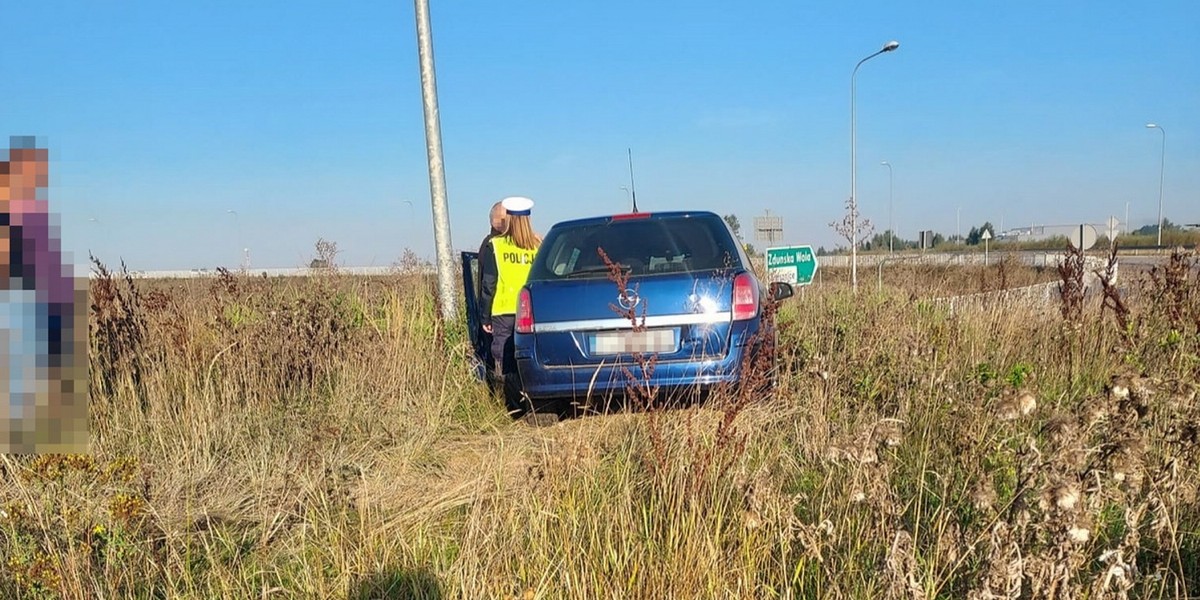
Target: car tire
[541, 419]
[515, 399]
[773, 376]
[767, 367]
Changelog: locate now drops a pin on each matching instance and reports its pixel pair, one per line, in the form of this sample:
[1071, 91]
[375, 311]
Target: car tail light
[524, 313]
[745, 297]
[628, 216]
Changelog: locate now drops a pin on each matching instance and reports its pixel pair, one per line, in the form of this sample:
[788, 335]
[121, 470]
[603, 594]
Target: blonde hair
[520, 229]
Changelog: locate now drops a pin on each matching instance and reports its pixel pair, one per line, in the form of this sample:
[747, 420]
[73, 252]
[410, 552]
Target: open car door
[481, 342]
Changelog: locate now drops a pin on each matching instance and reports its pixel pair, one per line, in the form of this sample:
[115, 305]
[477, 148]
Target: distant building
[1035, 233]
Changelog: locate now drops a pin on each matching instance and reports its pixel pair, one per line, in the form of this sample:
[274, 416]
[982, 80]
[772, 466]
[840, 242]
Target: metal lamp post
[891, 230]
[1161, 171]
[888, 47]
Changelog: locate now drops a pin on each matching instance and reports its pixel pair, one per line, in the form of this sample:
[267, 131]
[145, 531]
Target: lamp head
[892, 45]
[1151, 126]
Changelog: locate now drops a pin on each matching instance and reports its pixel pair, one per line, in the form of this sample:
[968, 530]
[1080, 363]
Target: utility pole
[891, 231]
[1162, 167]
[437, 171]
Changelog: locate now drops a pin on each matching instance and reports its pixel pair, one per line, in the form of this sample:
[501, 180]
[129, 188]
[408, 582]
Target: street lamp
[1161, 170]
[891, 231]
[888, 47]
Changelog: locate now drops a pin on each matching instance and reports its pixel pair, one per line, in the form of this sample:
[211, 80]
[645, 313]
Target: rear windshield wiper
[592, 271]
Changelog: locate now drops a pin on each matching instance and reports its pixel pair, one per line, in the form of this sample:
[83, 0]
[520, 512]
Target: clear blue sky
[305, 117]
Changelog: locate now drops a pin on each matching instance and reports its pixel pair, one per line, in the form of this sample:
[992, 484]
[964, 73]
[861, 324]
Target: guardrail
[1032, 258]
[1039, 293]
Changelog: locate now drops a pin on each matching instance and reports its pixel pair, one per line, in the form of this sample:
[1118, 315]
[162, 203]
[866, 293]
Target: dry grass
[324, 438]
[915, 280]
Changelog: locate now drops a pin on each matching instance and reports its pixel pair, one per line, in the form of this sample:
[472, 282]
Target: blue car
[606, 294]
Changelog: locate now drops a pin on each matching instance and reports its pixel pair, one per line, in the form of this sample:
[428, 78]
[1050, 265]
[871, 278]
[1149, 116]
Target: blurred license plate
[627, 342]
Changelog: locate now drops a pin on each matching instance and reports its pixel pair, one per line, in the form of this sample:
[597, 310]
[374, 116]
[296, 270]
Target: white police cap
[517, 205]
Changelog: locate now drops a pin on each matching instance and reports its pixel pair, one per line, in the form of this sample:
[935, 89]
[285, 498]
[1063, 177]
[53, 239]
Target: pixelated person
[504, 267]
[43, 335]
[498, 221]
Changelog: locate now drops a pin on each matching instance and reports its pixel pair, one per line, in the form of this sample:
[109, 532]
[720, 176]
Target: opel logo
[628, 299]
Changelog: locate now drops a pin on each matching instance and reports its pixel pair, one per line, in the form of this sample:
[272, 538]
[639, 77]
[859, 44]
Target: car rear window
[646, 246]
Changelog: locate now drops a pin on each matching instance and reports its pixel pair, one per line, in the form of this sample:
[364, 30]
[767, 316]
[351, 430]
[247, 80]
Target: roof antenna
[631, 189]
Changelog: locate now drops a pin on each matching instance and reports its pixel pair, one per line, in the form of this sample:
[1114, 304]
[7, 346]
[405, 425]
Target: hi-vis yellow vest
[512, 267]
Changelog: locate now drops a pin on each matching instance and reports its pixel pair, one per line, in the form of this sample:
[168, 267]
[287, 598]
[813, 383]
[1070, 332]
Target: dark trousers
[502, 343]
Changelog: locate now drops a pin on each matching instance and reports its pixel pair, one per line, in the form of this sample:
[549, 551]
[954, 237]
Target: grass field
[324, 438]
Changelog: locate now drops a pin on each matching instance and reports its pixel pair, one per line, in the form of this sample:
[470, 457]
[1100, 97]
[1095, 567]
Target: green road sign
[796, 265]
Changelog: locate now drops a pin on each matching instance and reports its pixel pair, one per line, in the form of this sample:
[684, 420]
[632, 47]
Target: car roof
[655, 216]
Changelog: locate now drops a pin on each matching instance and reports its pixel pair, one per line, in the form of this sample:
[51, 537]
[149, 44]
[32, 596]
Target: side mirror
[781, 291]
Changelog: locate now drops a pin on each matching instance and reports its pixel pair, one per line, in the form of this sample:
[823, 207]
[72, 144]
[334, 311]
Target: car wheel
[773, 377]
[515, 399]
[540, 419]
[763, 370]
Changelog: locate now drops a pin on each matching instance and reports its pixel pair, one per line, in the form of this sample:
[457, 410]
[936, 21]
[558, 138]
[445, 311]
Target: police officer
[504, 267]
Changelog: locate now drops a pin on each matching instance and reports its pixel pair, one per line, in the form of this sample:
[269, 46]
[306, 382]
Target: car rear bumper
[600, 381]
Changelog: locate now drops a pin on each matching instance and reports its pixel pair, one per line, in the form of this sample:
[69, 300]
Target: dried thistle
[1112, 300]
[983, 497]
[1065, 496]
[1078, 535]
[1070, 288]
[1017, 405]
[1118, 388]
[1061, 430]
[888, 432]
